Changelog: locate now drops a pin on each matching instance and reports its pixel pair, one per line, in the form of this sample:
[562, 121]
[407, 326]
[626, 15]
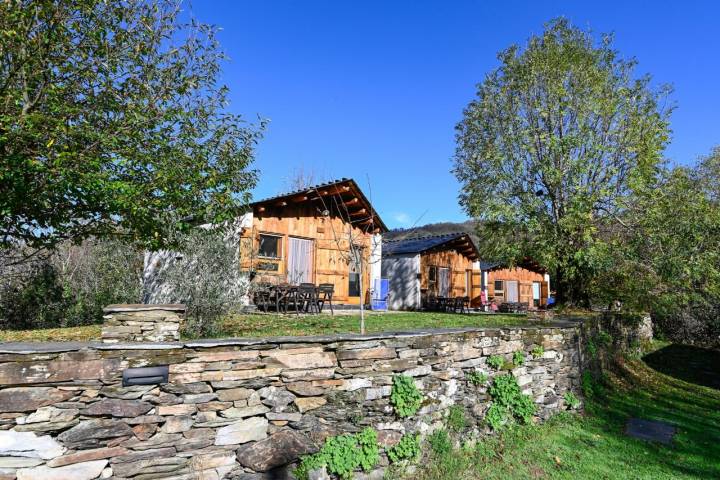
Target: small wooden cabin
[528, 283]
[440, 265]
[449, 266]
[314, 235]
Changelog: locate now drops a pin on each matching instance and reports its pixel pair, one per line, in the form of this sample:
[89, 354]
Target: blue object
[380, 290]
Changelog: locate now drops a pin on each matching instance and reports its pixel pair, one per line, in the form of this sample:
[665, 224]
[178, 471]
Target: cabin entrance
[300, 261]
[512, 293]
[444, 282]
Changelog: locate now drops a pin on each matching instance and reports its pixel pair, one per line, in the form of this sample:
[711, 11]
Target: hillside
[441, 228]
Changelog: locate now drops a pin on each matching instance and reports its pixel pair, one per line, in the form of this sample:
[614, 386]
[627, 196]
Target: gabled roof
[344, 194]
[460, 241]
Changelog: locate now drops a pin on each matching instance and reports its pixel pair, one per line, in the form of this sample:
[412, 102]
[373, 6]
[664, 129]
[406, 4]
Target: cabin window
[269, 246]
[432, 278]
[499, 289]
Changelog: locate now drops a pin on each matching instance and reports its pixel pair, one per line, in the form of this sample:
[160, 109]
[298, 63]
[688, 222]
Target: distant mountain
[442, 228]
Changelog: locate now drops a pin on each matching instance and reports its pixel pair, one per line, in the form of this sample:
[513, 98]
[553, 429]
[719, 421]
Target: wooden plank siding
[459, 266]
[331, 249]
[525, 279]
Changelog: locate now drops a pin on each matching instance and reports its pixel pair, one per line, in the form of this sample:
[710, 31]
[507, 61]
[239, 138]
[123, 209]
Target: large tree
[666, 258]
[113, 122]
[558, 137]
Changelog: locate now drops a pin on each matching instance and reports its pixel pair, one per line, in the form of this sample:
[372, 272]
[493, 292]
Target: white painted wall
[402, 272]
[375, 259]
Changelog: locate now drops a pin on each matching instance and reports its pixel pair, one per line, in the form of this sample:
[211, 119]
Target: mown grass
[594, 445]
[84, 333]
[270, 325]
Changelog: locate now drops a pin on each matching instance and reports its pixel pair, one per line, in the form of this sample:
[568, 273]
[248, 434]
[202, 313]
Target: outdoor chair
[325, 294]
[307, 297]
[456, 305]
[431, 303]
[285, 296]
[465, 304]
[262, 297]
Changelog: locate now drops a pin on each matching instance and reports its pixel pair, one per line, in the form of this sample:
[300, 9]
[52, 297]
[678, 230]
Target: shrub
[71, 286]
[496, 361]
[440, 443]
[476, 377]
[538, 351]
[497, 416]
[204, 276]
[588, 384]
[571, 400]
[456, 420]
[408, 448]
[604, 339]
[343, 454]
[509, 403]
[518, 358]
[592, 349]
[405, 396]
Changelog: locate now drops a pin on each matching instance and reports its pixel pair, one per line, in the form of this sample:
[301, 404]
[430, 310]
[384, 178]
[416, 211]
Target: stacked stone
[246, 409]
[142, 323]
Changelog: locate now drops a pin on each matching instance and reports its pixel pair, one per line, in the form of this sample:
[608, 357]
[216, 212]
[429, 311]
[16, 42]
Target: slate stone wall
[142, 323]
[247, 408]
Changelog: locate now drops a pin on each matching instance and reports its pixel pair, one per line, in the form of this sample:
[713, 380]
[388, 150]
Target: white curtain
[512, 291]
[444, 282]
[300, 261]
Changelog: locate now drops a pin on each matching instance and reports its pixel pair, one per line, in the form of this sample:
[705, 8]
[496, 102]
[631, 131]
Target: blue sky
[373, 89]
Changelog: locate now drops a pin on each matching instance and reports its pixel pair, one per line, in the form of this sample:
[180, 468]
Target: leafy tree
[112, 122]
[557, 139]
[666, 259]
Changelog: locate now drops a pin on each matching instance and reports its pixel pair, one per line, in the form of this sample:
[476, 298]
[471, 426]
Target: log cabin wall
[525, 279]
[330, 247]
[460, 268]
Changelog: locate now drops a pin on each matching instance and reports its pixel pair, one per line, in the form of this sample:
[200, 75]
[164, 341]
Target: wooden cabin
[440, 265]
[527, 283]
[449, 266]
[327, 233]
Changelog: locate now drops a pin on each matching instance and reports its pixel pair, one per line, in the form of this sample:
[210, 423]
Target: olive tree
[555, 142]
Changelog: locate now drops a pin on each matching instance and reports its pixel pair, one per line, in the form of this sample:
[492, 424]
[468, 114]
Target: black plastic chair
[325, 294]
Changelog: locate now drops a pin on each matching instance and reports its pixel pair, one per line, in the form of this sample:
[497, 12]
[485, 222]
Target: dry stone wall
[248, 408]
[142, 323]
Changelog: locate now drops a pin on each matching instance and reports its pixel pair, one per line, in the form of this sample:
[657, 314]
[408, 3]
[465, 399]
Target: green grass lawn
[267, 325]
[270, 325]
[593, 446]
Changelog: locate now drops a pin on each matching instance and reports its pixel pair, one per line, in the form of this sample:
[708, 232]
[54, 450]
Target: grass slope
[594, 447]
[276, 325]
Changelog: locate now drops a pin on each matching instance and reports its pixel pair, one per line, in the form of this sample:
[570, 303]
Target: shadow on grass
[696, 365]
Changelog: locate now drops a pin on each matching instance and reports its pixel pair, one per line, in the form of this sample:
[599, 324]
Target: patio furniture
[325, 294]
[465, 304]
[286, 296]
[262, 297]
[307, 297]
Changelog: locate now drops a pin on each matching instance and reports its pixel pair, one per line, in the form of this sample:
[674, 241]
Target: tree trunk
[362, 300]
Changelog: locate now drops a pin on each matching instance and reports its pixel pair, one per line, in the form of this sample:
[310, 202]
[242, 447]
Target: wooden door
[526, 293]
[511, 291]
[300, 261]
[444, 282]
[475, 300]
